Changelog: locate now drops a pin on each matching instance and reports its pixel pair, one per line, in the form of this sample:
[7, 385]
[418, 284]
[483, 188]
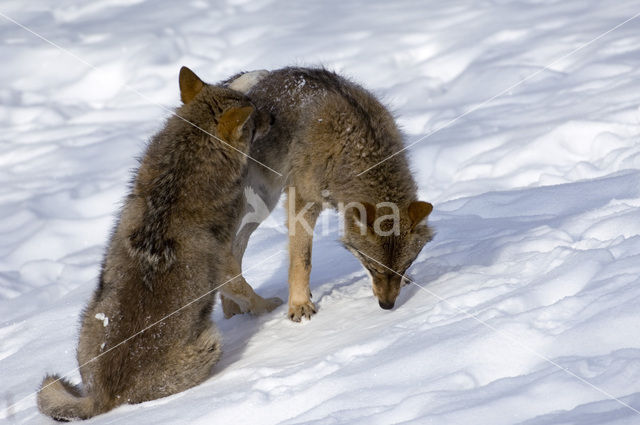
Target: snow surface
[530, 308]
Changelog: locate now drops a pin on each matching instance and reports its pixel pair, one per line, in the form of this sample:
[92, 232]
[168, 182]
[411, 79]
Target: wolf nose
[386, 306]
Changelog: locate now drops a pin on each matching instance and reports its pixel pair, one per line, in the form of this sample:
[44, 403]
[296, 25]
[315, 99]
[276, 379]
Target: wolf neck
[391, 182]
[386, 176]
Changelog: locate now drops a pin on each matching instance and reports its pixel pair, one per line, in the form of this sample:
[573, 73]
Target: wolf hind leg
[184, 366]
[199, 357]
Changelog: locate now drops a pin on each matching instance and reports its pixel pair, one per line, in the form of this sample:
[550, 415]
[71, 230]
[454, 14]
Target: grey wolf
[327, 130]
[142, 335]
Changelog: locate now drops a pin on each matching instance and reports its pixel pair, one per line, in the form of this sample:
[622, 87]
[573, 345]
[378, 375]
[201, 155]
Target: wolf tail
[64, 401]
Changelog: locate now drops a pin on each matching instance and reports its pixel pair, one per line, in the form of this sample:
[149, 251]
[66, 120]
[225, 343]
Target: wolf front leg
[229, 307]
[301, 219]
[238, 296]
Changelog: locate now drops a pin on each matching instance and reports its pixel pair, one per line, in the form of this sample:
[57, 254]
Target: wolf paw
[272, 303]
[266, 305]
[297, 312]
[229, 307]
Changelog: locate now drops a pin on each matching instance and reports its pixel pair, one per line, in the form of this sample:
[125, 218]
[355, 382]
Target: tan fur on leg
[300, 242]
[240, 293]
[229, 307]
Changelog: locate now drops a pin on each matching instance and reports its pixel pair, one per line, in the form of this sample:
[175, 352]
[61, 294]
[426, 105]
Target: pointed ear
[232, 122]
[370, 211]
[190, 84]
[418, 211]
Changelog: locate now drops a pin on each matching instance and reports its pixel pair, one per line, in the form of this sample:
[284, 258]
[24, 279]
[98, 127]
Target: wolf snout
[386, 305]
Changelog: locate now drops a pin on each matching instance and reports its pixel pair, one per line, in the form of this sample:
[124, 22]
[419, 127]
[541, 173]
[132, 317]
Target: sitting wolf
[328, 130]
[147, 332]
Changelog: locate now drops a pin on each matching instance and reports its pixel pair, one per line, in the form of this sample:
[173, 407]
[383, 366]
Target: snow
[104, 319]
[528, 307]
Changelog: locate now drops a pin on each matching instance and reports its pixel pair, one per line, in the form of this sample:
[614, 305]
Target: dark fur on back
[312, 105]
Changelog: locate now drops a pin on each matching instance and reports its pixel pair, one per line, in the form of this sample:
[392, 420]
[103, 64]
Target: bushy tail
[63, 401]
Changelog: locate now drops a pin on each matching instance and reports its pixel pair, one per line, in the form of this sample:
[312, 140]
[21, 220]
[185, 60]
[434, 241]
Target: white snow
[530, 308]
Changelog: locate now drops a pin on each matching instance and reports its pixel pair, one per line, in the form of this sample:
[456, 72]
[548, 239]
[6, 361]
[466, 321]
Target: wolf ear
[232, 122]
[190, 84]
[370, 211]
[418, 211]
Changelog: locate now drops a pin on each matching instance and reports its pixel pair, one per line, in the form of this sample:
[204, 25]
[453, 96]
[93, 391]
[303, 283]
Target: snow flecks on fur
[103, 318]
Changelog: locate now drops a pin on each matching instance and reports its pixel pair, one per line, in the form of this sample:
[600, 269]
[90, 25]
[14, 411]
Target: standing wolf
[327, 130]
[147, 332]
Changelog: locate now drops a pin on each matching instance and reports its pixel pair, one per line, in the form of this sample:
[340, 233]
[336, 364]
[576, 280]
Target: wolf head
[230, 122]
[386, 239]
[223, 112]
